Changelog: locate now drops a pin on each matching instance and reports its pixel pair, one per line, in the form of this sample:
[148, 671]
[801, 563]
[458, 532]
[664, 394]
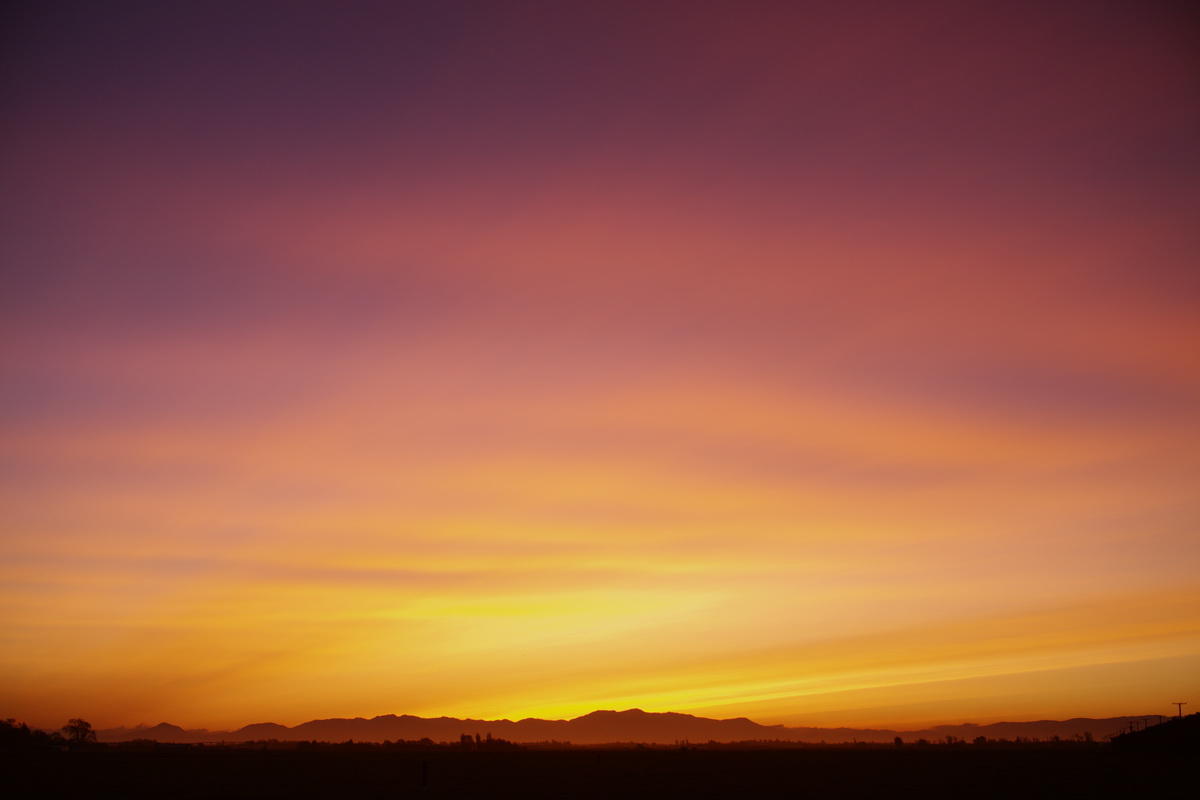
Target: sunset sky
[824, 363]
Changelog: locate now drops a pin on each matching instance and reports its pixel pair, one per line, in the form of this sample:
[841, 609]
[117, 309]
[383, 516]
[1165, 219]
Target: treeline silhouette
[78, 733]
[16, 735]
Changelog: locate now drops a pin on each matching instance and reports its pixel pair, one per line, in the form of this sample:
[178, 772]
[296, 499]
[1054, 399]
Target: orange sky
[777, 360]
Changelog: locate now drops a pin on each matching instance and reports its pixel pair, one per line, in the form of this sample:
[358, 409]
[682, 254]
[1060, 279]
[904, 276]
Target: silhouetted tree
[14, 735]
[898, 742]
[79, 731]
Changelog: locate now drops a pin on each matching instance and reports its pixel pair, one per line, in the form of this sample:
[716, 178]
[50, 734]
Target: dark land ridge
[1147, 760]
[601, 727]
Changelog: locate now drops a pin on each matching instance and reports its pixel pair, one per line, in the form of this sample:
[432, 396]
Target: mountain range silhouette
[602, 727]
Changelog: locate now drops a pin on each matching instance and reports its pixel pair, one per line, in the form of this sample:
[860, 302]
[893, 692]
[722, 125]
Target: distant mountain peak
[632, 713]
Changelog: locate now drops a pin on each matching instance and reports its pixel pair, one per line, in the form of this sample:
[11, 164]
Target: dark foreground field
[836, 773]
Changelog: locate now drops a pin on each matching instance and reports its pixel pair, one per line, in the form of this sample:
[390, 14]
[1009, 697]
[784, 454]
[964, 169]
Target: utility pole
[1180, 707]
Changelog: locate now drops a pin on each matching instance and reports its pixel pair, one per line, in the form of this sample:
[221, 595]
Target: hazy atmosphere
[820, 363]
